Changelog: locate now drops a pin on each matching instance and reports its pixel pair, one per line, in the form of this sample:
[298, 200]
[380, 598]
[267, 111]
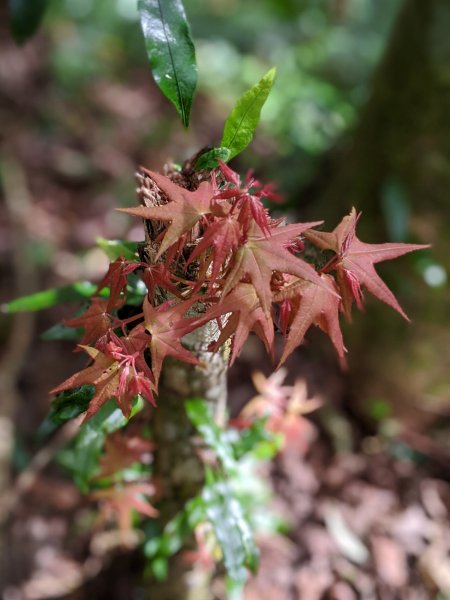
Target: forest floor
[369, 523]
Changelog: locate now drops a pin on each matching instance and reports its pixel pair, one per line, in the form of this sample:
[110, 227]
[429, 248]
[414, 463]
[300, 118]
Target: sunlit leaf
[244, 118]
[210, 159]
[171, 51]
[25, 16]
[116, 248]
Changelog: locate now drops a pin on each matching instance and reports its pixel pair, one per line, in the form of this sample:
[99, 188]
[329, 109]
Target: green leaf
[60, 332]
[171, 51]
[69, 293]
[231, 529]
[244, 118]
[66, 406]
[200, 416]
[115, 248]
[25, 16]
[82, 458]
[160, 547]
[210, 159]
[257, 441]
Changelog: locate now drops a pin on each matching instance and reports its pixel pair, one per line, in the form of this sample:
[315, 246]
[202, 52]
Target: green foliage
[231, 528]
[59, 331]
[210, 159]
[67, 405]
[171, 51]
[222, 509]
[81, 290]
[214, 437]
[82, 457]
[160, 547]
[115, 248]
[244, 118]
[25, 16]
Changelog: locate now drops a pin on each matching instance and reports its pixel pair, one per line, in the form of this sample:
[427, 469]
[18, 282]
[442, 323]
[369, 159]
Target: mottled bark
[177, 467]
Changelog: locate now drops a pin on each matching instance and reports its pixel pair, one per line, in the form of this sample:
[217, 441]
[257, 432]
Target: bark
[177, 467]
[403, 129]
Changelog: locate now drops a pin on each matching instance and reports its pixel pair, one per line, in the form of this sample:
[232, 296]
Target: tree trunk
[403, 135]
[178, 469]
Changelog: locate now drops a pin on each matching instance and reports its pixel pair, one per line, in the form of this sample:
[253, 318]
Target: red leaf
[355, 260]
[222, 236]
[261, 255]
[312, 305]
[184, 209]
[119, 371]
[246, 316]
[96, 321]
[119, 502]
[116, 280]
[121, 452]
[167, 326]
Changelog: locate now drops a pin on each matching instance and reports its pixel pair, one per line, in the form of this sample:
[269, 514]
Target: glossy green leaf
[244, 118]
[66, 406]
[25, 17]
[231, 529]
[41, 300]
[171, 51]
[210, 159]
[115, 248]
[200, 416]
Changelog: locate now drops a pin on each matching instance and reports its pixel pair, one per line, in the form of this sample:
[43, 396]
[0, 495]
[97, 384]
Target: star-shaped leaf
[355, 260]
[312, 305]
[120, 500]
[260, 255]
[119, 371]
[167, 325]
[184, 209]
[116, 280]
[245, 315]
[96, 321]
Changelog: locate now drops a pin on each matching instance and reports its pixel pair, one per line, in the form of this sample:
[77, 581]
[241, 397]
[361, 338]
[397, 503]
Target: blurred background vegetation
[358, 116]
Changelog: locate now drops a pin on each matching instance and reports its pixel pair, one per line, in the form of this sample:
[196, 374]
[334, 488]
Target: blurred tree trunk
[403, 135]
[394, 129]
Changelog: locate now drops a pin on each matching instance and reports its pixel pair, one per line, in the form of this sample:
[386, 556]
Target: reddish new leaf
[259, 256]
[312, 305]
[116, 280]
[122, 451]
[120, 500]
[167, 325]
[245, 315]
[183, 211]
[222, 237]
[355, 260]
[119, 371]
[96, 321]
